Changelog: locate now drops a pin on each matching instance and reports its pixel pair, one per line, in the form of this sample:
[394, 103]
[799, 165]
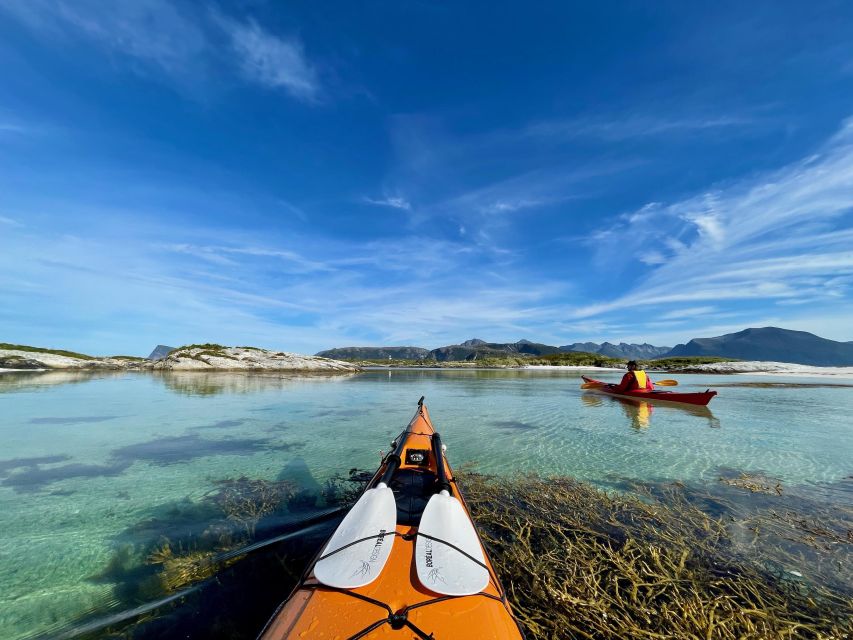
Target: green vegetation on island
[207, 350]
[56, 352]
[681, 362]
[565, 359]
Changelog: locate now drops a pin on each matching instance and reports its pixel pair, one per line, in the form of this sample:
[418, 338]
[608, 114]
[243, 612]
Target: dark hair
[632, 362]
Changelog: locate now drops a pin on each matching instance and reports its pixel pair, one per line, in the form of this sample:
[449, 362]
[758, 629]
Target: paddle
[361, 545]
[600, 385]
[448, 554]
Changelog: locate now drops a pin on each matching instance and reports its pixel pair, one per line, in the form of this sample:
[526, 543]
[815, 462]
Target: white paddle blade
[374, 517]
[442, 568]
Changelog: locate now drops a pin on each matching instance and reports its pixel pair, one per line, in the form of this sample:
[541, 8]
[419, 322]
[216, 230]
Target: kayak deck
[701, 398]
[396, 605]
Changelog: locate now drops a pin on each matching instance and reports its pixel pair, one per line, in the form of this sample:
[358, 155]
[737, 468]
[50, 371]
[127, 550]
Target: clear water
[85, 458]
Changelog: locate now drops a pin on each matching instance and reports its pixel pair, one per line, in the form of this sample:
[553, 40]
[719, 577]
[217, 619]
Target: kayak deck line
[425, 572]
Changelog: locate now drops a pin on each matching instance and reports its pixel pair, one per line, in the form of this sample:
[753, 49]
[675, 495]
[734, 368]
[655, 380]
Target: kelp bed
[581, 563]
[739, 559]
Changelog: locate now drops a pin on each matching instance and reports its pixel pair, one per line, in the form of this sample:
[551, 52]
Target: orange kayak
[406, 562]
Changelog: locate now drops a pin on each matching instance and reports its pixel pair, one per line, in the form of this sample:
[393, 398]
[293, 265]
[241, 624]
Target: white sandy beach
[744, 368]
[774, 369]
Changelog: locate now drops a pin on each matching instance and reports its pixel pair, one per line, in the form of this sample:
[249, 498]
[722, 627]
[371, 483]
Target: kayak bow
[701, 398]
[406, 562]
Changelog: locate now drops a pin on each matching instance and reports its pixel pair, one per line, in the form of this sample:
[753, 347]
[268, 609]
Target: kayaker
[636, 379]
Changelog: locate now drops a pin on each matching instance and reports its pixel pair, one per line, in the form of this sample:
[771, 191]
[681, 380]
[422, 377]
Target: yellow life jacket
[641, 379]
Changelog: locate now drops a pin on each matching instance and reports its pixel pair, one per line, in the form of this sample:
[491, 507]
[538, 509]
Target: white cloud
[272, 61]
[152, 30]
[179, 39]
[780, 236]
[509, 206]
[395, 202]
[9, 221]
[689, 312]
[618, 127]
[225, 255]
[8, 127]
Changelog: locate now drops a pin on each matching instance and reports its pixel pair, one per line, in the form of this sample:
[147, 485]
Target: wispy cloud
[780, 236]
[476, 179]
[272, 61]
[395, 202]
[278, 290]
[224, 255]
[180, 39]
[689, 312]
[10, 222]
[9, 127]
[509, 206]
[152, 30]
[618, 127]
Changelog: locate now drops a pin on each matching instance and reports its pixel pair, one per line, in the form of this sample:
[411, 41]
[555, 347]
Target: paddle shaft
[394, 460]
[600, 385]
[443, 484]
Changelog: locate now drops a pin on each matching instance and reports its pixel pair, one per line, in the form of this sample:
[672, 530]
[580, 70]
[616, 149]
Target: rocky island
[196, 357]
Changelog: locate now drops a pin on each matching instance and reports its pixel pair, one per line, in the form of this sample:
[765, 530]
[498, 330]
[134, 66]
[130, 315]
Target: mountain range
[643, 351]
[160, 352]
[476, 349]
[765, 343]
[774, 344]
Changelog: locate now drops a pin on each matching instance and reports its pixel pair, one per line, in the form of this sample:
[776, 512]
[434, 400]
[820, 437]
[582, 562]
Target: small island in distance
[757, 346]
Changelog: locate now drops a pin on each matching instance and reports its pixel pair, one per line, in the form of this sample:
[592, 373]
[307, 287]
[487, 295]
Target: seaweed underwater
[218, 566]
[582, 563]
[664, 561]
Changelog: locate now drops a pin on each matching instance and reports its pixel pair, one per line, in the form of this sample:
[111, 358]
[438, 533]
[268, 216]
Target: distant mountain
[622, 350]
[476, 349]
[773, 344]
[160, 352]
[586, 347]
[375, 353]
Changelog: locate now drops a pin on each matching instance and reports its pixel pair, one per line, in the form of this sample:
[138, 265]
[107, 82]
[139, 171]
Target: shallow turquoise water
[86, 458]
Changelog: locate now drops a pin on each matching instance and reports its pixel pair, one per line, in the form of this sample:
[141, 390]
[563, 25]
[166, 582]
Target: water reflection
[211, 383]
[13, 381]
[192, 383]
[639, 412]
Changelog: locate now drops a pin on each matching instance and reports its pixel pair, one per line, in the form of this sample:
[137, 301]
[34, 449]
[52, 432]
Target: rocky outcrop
[16, 359]
[19, 362]
[208, 357]
[205, 357]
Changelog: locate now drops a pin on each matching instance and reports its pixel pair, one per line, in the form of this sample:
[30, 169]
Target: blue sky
[307, 175]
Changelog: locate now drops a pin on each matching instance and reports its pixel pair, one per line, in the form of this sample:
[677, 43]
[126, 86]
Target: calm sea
[89, 464]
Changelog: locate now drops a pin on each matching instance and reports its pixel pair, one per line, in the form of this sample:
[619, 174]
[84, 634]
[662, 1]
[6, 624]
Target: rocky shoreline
[205, 357]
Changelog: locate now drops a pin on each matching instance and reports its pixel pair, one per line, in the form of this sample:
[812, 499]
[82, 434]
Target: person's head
[632, 365]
